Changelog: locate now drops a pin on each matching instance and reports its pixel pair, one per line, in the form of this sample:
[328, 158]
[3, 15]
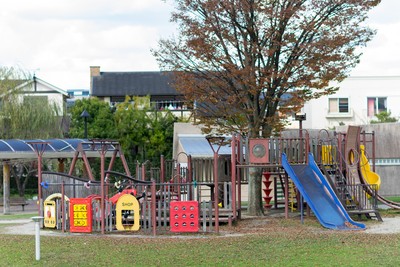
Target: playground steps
[345, 197]
[369, 214]
[338, 183]
[375, 215]
[224, 215]
[279, 191]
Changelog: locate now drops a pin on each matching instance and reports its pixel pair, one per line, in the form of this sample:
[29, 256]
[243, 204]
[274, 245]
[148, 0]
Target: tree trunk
[21, 182]
[255, 207]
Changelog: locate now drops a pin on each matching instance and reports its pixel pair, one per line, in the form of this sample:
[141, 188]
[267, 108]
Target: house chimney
[94, 72]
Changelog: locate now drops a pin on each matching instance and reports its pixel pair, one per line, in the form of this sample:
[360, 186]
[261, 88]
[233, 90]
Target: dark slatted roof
[54, 148]
[132, 83]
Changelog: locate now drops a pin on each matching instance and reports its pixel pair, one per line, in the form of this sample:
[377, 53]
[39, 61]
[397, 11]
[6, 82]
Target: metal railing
[357, 198]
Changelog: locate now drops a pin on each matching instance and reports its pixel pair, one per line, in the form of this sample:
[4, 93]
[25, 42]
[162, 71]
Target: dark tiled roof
[132, 83]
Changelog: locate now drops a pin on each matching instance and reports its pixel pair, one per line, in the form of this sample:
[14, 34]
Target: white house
[36, 89]
[357, 102]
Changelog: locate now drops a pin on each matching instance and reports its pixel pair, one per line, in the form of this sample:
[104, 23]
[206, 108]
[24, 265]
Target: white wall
[357, 89]
[53, 96]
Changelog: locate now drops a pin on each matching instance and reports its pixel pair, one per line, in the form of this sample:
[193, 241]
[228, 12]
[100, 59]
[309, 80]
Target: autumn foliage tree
[237, 58]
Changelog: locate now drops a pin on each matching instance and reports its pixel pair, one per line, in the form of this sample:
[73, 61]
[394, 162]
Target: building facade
[36, 89]
[357, 102]
[115, 87]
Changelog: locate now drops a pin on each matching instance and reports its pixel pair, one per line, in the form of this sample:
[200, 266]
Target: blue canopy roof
[198, 146]
[53, 148]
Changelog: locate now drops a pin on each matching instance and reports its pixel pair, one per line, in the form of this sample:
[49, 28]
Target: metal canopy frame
[55, 148]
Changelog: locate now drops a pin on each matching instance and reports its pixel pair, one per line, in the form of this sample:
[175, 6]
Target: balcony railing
[169, 105]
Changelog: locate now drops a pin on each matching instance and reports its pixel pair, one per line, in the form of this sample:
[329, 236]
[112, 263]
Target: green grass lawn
[17, 216]
[333, 249]
[394, 198]
[270, 242]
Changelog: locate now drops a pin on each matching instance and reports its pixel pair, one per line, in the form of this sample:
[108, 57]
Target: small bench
[16, 201]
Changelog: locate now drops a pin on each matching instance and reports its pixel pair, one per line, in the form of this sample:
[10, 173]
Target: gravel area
[388, 226]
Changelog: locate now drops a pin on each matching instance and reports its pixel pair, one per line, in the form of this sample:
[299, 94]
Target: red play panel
[80, 210]
[184, 216]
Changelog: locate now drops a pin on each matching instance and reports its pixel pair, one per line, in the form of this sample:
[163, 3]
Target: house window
[338, 105]
[36, 100]
[117, 99]
[376, 105]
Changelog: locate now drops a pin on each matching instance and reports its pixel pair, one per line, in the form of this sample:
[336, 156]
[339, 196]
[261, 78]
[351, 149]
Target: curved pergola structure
[52, 148]
[17, 149]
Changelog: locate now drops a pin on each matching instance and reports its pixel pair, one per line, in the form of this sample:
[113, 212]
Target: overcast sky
[60, 39]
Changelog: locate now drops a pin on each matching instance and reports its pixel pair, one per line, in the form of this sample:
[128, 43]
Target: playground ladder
[279, 190]
[292, 196]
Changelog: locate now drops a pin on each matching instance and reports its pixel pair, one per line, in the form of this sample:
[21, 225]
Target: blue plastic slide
[319, 195]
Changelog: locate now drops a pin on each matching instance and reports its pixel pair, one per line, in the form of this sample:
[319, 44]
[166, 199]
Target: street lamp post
[300, 117]
[85, 115]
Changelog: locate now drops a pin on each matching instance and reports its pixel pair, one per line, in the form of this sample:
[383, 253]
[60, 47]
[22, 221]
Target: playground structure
[121, 202]
[175, 199]
[339, 171]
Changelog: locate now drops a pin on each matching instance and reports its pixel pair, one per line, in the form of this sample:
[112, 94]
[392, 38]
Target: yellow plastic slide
[369, 176]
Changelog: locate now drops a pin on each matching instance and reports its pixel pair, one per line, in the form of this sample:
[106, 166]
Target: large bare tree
[236, 59]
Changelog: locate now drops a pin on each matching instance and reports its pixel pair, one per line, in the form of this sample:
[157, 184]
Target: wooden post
[233, 175]
[6, 187]
[63, 212]
[153, 207]
[162, 169]
[189, 178]
[286, 196]
[103, 196]
[216, 200]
